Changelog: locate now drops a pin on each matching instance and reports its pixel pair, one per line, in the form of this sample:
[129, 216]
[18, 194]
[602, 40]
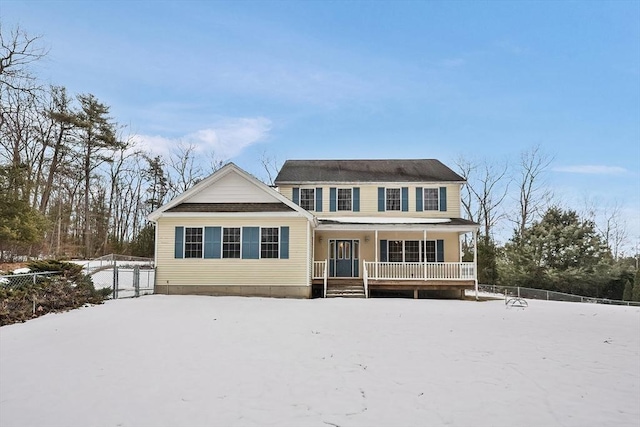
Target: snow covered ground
[205, 361]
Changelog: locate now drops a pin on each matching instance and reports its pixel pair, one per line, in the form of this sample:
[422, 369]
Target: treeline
[551, 246]
[72, 183]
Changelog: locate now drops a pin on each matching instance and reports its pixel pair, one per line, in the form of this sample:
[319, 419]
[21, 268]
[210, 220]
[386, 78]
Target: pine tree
[628, 291]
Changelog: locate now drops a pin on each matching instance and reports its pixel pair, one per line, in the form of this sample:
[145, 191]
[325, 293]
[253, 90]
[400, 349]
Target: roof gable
[229, 185]
[409, 170]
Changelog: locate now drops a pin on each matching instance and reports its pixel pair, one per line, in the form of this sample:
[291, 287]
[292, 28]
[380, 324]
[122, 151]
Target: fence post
[136, 280]
[547, 295]
[518, 291]
[115, 282]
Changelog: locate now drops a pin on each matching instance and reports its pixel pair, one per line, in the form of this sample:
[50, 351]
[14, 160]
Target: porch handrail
[325, 278]
[365, 278]
[420, 270]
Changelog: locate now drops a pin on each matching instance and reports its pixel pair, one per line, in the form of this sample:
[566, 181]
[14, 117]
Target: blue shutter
[319, 199]
[212, 236]
[250, 242]
[179, 243]
[332, 199]
[356, 199]
[439, 250]
[443, 199]
[419, 198]
[296, 195]
[380, 199]
[284, 242]
[405, 199]
[383, 251]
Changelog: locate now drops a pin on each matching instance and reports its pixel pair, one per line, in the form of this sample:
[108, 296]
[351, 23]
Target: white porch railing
[420, 270]
[365, 279]
[320, 272]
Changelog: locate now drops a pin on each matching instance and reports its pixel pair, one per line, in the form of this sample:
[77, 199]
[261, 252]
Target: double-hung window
[307, 198]
[395, 250]
[193, 242]
[231, 242]
[431, 199]
[412, 251]
[344, 199]
[429, 251]
[393, 199]
[269, 242]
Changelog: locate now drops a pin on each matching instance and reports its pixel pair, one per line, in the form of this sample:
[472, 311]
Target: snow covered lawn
[205, 361]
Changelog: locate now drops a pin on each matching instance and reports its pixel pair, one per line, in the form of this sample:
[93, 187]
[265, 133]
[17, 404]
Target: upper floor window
[307, 198]
[431, 199]
[193, 242]
[231, 242]
[269, 242]
[344, 199]
[393, 199]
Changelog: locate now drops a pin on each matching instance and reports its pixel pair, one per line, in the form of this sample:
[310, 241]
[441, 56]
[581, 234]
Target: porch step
[345, 291]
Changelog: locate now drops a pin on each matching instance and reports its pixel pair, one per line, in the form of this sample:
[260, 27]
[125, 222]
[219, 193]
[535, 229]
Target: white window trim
[338, 199]
[386, 198]
[184, 243]
[222, 242]
[260, 247]
[424, 200]
[313, 199]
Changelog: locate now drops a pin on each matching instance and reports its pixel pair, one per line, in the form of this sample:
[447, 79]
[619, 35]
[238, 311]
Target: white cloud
[592, 169]
[225, 139]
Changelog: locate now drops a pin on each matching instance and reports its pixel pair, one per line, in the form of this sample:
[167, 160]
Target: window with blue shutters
[193, 242]
[307, 198]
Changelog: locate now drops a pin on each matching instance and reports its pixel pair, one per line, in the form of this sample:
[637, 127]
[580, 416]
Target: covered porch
[384, 254]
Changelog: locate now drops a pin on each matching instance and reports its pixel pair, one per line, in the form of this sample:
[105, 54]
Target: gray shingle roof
[413, 170]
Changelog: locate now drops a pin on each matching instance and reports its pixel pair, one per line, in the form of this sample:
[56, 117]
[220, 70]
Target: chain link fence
[542, 294]
[25, 279]
[125, 281]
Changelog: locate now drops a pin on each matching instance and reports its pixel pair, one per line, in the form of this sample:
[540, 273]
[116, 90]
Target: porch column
[475, 260]
[423, 248]
[375, 239]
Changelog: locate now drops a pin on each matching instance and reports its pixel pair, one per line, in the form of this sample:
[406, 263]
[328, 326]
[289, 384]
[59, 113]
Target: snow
[229, 361]
[21, 270]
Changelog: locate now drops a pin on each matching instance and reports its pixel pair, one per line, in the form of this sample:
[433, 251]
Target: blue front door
[344, 260]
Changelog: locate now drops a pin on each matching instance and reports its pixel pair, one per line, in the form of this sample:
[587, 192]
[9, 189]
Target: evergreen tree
[628, 291]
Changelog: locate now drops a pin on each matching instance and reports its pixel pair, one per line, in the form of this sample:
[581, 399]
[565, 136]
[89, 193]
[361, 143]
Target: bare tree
[18, 50]
[271, 167]
[184, 170]
[534, 195]
[483, 195]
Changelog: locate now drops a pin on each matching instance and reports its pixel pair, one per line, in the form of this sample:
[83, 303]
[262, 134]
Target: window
[395, 251]
[231, 243]
[307, 198]
[269, 243]
[393, 199]
[429, 251]
[344, 199]
[412, 251]
[193, 242]
[431, 202]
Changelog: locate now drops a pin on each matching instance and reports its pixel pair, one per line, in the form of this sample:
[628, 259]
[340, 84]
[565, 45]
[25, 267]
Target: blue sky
[367, 79]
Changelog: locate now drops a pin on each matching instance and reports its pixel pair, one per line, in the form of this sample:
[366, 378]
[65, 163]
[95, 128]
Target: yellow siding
[369, 201]
[253, 272]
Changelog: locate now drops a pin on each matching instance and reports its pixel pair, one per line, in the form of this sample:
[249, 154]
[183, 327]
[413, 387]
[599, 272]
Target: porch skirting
[275, 291]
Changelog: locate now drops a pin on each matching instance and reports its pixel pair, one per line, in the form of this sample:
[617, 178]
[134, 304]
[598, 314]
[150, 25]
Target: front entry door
[344, 261]
[344, 258]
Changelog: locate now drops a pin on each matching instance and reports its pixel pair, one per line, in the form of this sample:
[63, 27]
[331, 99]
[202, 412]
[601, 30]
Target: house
[332, 228]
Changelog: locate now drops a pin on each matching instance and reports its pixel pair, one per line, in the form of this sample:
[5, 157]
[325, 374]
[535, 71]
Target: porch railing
[420, 270]
[320, 272]
[365, 279]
